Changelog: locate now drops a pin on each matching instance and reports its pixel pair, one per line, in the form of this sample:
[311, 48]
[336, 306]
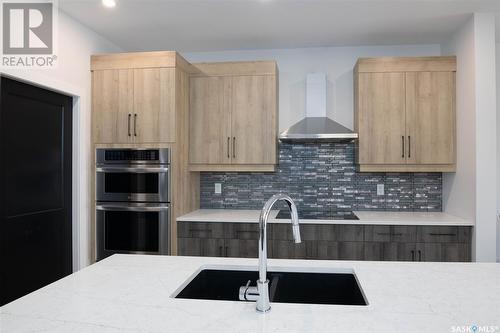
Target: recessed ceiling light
[109, 3]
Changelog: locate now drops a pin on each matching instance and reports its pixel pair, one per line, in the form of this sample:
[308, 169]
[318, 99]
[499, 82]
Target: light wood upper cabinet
[382, 118]
[253, 119]
[133, 105]
[430, 112]
[112, 99]
[405, 114]
[154, 105]
[234, 117]
[210, 120]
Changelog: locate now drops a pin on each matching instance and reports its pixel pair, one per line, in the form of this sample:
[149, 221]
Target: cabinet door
[430, 117]
[254, 120]
[212, 247]
[429, 252]
[242, 240]
[154, 105]
[243, 248]
[189, 246]
[210, 120]
[112, 105]
[381, 118]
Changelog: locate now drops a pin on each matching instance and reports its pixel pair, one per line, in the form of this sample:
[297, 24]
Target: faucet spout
[263, 284]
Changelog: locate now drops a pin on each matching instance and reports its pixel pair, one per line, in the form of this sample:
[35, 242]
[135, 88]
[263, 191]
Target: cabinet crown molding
[139, 60]
[232, 68]
[406, 64]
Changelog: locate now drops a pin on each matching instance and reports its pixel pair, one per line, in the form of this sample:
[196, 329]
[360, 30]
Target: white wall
[498, 148]
[295, 64]
[486, 134]
[72, 77]
[459, 195]
[471, 192]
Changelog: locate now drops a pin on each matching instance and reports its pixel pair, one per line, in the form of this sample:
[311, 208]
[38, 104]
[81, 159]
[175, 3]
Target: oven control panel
[126, 156]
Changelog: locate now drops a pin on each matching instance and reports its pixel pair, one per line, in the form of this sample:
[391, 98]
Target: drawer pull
[412, 255]
[419, 255]
[250, 231]
[389, 234]
[444, 234]
[193, 231]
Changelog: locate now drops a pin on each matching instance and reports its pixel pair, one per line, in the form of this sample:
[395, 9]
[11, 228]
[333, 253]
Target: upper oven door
[132, 183]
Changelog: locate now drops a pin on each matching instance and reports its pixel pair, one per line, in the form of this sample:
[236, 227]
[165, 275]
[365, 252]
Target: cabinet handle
[409, 146]
[419, 255]
[220, 251]
[200, 232]
[135, 124]
[249, 231]
[129, 116]
[234, 147]
[440, 234]
[228, 144]
[383, 233]
[225, 252]
[403, 146]
[412, 255]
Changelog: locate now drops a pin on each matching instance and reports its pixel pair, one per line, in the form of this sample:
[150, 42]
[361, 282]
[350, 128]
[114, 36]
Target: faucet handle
[248, 293]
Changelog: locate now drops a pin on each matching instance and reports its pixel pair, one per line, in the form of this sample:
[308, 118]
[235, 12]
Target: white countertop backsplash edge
[365, 218]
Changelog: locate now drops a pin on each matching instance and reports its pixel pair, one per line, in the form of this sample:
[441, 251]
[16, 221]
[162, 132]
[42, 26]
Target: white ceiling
[208, 25]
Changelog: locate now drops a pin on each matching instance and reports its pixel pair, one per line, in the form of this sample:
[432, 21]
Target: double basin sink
[285, 286]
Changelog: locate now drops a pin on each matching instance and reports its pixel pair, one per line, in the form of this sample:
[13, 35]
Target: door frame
[80, 157]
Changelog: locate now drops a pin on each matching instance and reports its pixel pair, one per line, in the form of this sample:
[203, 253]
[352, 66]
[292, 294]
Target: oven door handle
[128, 208]
[117, 169]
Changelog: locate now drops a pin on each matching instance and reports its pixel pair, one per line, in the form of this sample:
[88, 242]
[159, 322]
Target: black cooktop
[319, 215]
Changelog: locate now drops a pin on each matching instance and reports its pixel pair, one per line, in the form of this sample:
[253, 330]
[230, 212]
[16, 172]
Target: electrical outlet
[218, 188]
[380, 189]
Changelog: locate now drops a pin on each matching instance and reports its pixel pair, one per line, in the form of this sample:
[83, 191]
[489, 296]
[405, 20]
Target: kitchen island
[133, 293]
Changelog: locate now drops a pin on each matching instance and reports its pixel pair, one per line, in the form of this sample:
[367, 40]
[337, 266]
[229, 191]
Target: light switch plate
[380, 189]
[218, 188]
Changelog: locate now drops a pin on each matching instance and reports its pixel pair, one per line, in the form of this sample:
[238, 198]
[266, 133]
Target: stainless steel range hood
[318, 129]
[316, 126]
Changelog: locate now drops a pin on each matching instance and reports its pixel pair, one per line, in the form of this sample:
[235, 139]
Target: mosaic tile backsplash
[323, 176]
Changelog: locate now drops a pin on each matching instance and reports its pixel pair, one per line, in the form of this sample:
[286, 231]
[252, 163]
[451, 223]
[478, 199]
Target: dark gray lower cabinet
[330, 242]
[218, 239]
[418, 243]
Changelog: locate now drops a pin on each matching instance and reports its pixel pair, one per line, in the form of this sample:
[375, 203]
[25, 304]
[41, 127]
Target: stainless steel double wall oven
[133, 201]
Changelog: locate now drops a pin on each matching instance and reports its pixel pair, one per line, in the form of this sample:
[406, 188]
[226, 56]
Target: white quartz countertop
[365, 217]
[132, 293]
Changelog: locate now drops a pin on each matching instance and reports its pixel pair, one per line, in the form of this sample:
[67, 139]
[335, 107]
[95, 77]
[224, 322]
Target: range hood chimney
[316, 126]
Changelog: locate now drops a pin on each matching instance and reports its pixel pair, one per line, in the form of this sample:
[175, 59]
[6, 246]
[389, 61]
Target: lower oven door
[141, 228]
[132, 183]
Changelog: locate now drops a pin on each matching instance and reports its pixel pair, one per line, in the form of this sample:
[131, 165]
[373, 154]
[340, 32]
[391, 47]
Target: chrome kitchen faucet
[260, 293]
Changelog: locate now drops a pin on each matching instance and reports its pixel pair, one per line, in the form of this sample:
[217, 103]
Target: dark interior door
[35, 188]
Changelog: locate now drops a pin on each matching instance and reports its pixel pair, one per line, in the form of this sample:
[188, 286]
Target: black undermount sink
[285, 287]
